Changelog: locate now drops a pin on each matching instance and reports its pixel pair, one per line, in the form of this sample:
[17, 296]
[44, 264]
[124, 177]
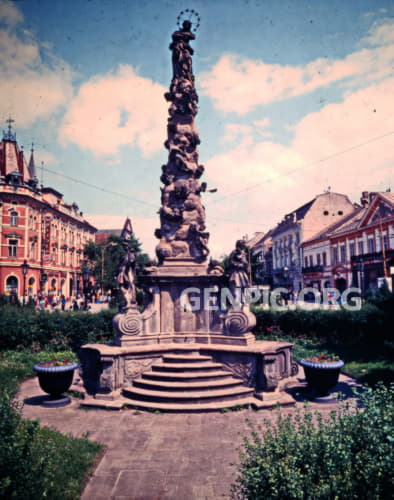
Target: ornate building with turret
[41, 236]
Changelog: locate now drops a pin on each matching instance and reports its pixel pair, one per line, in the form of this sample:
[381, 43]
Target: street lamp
[286, 274]
[25, 268]
[85, 277]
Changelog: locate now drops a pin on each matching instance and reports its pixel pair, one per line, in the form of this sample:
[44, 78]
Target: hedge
[25, 328]
[369, 324]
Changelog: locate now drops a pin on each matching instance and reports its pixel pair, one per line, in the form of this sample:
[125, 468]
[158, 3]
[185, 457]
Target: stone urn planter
[55, 377]
[321, 373]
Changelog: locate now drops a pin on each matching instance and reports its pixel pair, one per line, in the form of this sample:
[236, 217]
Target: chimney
[364, 199]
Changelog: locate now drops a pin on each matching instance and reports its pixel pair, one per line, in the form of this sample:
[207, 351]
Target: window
[318, 261]
[360, 248]
[335, 255]
[351, 249]
[343, 254]
[11, 285]
[371, 245]
[324, 259]
[306, 261]
[12, 248]
[32, 250]
[14, 218]
[311, 260]
[385, 242]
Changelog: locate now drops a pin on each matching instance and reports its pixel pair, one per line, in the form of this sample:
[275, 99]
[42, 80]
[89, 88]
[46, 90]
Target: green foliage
[104, 259]
[57, 330]
[370, 324]
[38, 462]
[303, 456]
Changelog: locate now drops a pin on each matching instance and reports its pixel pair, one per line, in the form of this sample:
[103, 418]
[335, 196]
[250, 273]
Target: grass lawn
[49, 464]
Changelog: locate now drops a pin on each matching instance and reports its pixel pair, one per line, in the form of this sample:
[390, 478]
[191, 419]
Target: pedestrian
[63, 302]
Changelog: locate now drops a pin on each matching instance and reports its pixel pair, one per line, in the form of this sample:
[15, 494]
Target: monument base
[187, 376]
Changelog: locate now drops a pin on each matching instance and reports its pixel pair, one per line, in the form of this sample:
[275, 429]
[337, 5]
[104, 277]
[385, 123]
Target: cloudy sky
[295, 96]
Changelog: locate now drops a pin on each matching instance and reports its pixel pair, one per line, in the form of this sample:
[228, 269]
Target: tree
[103, 260]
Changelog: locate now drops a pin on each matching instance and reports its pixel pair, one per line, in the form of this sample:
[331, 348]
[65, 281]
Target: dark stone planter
[55, 380]
[321, 377]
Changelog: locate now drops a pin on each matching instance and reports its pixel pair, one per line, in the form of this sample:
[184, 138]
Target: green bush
[38, 462]
[369, 324]
[303, 456]
[23, 327]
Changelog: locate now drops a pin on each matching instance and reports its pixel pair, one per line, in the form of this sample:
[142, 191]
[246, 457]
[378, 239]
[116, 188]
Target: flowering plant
[323, 358]
[56, 362]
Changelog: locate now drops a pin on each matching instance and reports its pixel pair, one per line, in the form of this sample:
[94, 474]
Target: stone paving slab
[158, 456]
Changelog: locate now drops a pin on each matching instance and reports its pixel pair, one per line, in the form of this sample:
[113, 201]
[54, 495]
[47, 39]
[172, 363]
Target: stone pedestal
[185, 307]
[106, 369]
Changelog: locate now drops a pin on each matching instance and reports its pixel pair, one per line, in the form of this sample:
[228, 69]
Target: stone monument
[186, 329]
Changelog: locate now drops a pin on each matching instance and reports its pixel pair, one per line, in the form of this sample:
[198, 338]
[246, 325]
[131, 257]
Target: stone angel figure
[238, 268]
[126, 270]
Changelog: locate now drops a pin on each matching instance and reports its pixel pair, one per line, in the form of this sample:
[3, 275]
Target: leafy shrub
[370, 324]
[37, 462]
[23, 327]
[302, 456]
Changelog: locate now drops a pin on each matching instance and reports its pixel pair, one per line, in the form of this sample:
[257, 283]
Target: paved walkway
[157, 456]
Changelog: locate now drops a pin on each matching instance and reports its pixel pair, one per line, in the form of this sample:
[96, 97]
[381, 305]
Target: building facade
[299, 226]
[357, 251]
[260, 248]
[41, 236]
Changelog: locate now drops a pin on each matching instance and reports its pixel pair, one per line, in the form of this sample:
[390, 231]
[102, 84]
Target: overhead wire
[235, 193]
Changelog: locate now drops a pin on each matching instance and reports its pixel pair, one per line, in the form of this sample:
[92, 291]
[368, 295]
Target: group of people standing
[48, 302]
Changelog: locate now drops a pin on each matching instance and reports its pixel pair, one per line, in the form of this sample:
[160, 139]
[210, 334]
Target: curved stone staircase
[188, 382]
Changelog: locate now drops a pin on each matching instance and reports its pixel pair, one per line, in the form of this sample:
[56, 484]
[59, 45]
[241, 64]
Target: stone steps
[163, 385]
[188, 382]
[182, 367]
[190, 408]
[186, 376]
[191, 396]
[185, 358]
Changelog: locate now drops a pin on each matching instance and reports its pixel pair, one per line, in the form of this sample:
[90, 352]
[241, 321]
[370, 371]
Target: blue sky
[295, 96]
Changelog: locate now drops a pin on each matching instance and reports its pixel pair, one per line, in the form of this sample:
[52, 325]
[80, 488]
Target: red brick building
[38, 228]
[356, 251]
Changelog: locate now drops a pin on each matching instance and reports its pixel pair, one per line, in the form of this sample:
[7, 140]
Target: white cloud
[9, 14]
[261, 181]
[30, 86]
[117, 109]
[239, 85]
[381, 33]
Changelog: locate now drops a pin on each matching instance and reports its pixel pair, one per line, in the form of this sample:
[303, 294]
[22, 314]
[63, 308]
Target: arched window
[11, 285]
[14, 218]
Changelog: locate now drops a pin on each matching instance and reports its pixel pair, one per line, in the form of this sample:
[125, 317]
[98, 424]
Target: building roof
[297, 215]
[353, 220]
[257, 238]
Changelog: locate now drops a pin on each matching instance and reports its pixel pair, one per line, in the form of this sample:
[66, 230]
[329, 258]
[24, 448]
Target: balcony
[313, 269]
[374, 256]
